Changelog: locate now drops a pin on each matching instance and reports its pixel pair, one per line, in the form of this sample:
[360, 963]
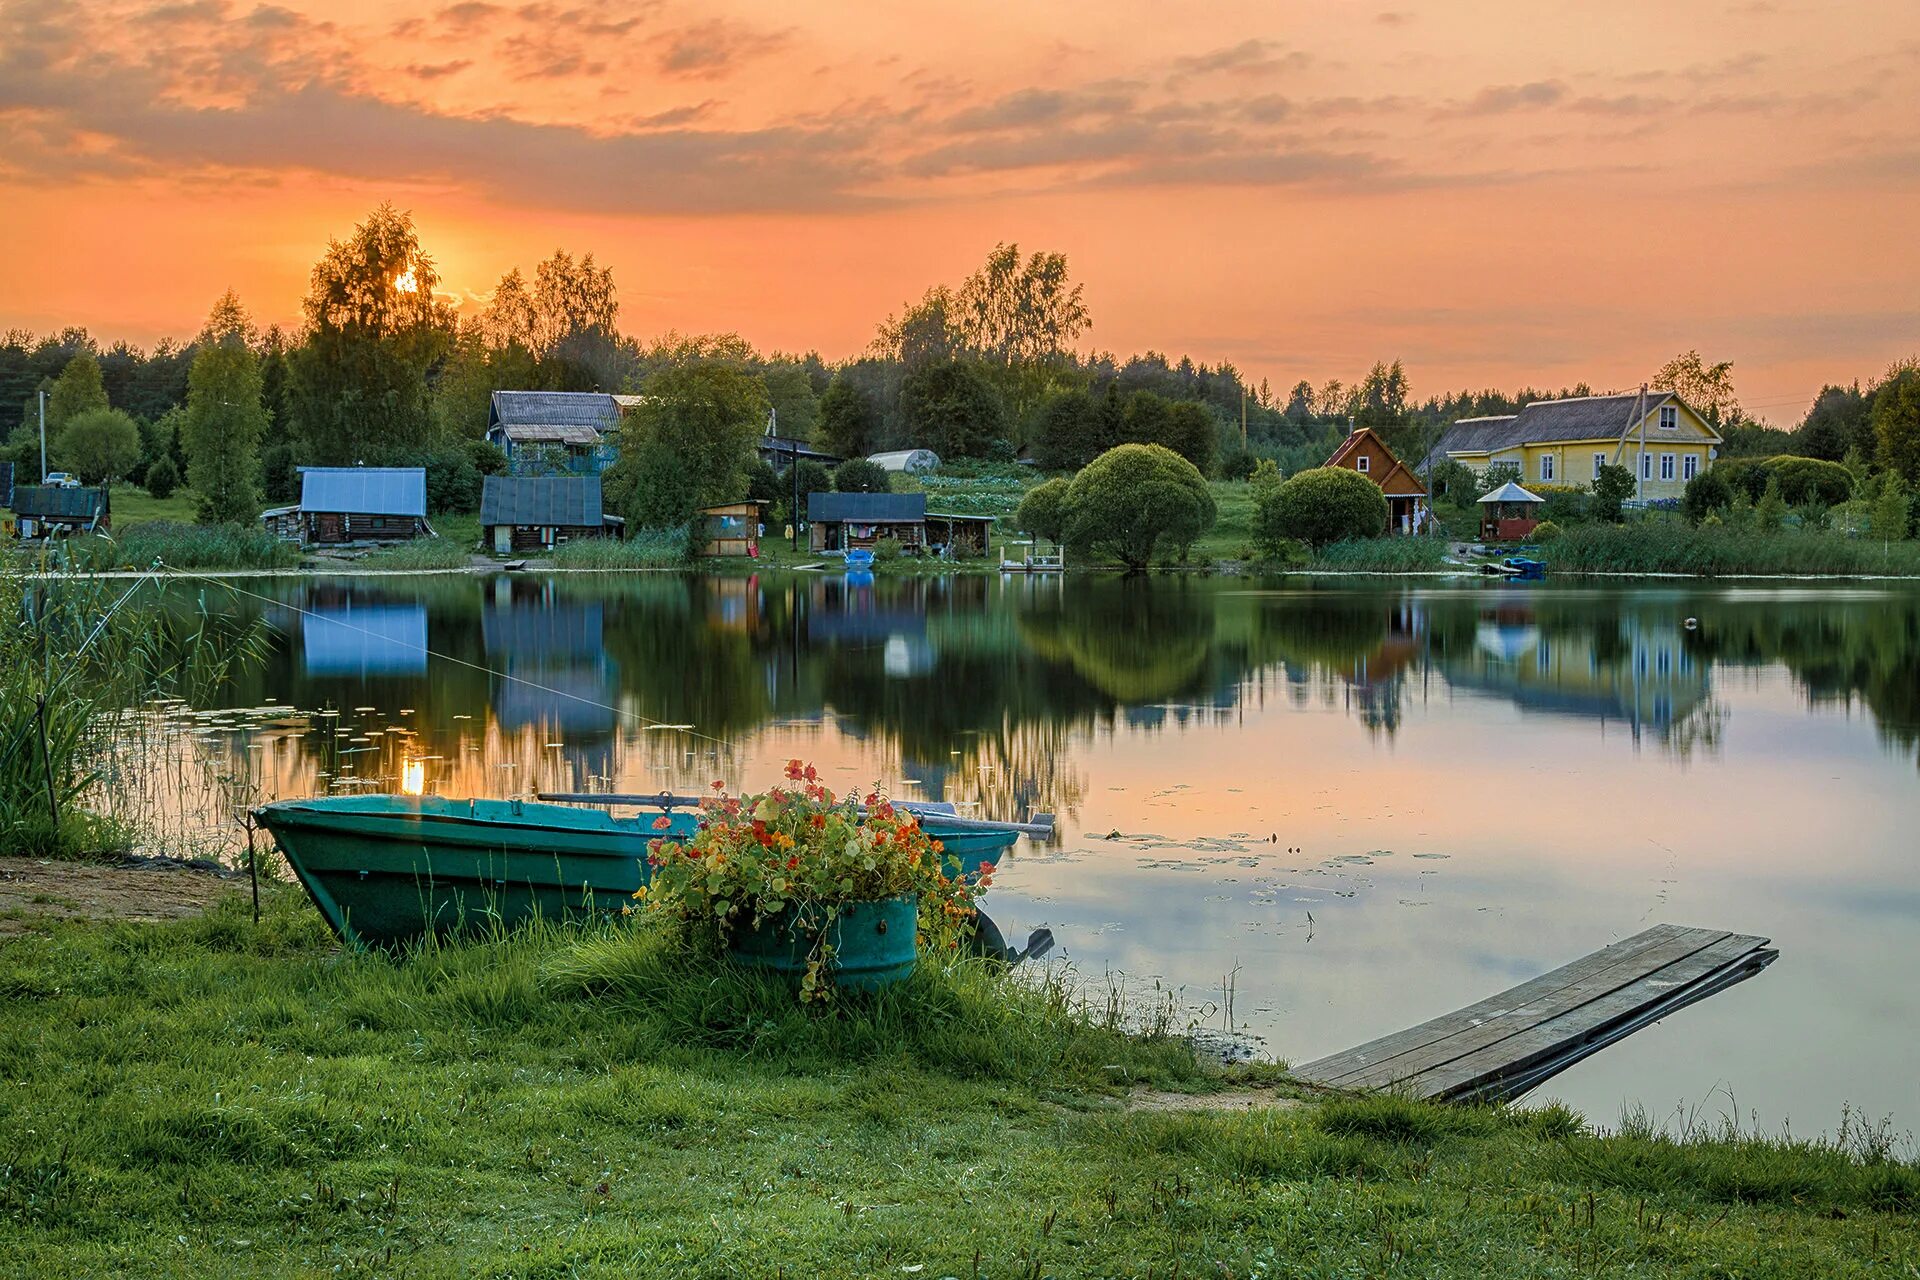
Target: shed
[731, 529]
[539, 513]
[843, 521]
[1508, 513]
[912, 461]
[363, 504]
[45, 510]
[954, 535]
[555, 432]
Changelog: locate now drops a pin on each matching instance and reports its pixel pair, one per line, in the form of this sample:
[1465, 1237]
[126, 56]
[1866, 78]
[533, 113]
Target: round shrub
[1043, 511]
[1321, 506]
[1706, 493]
[1135, 498]
[1238, 465]
[1546, 531]
[163, 478]
[857, 475]
[1811, 481]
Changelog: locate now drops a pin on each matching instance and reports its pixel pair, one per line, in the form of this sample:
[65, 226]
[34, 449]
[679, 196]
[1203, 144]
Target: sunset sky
[1497, 192]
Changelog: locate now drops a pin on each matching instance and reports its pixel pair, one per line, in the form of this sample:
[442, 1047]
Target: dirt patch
[32, 891]
[1225, 1100]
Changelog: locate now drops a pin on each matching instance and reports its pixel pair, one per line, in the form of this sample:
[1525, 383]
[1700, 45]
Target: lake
[1318, 811]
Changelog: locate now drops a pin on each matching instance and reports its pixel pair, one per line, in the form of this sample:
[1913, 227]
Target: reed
[1672, 546]
[646, 549]
[182, 546]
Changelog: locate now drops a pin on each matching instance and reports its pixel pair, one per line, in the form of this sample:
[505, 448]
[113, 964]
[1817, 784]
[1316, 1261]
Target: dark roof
[57, 502]
[1576, 418]
[550, 433]
[594, 409]
[777, 447]
[366, 491]
[868, 508]
[560, 501]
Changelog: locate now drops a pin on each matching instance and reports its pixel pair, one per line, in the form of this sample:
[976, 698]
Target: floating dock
[1505, 1045]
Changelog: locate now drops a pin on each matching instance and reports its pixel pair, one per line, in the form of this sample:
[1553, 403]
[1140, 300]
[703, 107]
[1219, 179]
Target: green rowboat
[387, 870]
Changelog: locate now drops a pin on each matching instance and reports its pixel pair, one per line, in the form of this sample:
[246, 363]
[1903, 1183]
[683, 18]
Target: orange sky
[1498, 192]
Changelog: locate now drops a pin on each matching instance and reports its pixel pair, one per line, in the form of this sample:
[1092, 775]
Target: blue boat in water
[859, 558]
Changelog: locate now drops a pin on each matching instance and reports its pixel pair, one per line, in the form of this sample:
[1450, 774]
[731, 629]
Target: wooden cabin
[1367, 453]
[732, 528]
[52, 510]
[844, 521]
[530, 514]
[342, 505]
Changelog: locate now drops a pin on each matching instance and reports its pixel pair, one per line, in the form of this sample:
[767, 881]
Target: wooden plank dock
[1503, 1046]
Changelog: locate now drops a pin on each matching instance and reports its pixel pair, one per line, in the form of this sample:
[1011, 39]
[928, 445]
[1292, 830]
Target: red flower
[718, 785]
[793, 862]
[662, 822]
[809, 774]
[794, 769]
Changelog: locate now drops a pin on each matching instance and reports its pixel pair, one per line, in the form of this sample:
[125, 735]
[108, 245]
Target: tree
[1193, 433]
[97, 445]
[857, 475]
[953, 410]
[77, 390]
[1043, 510]
[1839, 419]
[1771, 511]
[848, 423]
[1896, 421]
[1382, 405]
[358, 382]
[689, 444]
[796, 409]
[1136, 498]
[1497, 474]
[1323, 505]
[1893, 509]
[1067, 433]
[1707, 388]
[163, 478]
[224, 425]
[1612, 486]
[1705, 494]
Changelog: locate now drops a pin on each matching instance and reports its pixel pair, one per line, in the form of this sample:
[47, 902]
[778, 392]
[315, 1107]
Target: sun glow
[413, 777]
[407, 282]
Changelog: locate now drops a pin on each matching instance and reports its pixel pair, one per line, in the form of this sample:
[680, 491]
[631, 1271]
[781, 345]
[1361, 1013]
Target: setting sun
[407, 282]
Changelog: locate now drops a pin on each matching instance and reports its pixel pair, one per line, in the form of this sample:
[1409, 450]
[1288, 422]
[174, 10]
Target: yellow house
[1567, 441]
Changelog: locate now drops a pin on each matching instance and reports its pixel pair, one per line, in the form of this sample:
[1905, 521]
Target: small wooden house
[51, 510]
[1367, 453]
[844, 521]
[520, 514]
[732, 528]
[340, 505]
[556, 432]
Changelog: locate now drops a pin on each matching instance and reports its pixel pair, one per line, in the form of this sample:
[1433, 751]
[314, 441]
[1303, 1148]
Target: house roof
[871, 508]
[559, 501]
[371, 491]
[1545, 421]
[1397, 481]
[1511, 492]
[594, 409]
[579, 433]
[58, 502]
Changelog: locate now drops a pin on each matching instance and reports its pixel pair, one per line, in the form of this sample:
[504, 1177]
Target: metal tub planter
[866, 945]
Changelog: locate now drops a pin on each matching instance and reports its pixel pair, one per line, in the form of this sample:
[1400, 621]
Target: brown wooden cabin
[340, 505]
[1367, 453]
[522, 515]
[845, 521]
[732, 528]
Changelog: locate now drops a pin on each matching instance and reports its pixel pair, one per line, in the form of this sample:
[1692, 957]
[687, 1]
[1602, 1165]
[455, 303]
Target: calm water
[1360, 805]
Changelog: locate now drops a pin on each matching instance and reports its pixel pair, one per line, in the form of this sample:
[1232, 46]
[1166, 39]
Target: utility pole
[43, 435]
[1640, 463]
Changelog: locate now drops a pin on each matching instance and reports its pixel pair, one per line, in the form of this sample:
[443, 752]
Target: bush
[646, 549]
[1135, 498]
[1705, 493]
[1564, 503]
[887, 549]
[1611, 487]
[1238, 464]
[1811, 481]
[1321, 506]
[1496, 475]
[857, 475]
[99, 445]
[1546, 531]
[163, 478]
[1043, 511]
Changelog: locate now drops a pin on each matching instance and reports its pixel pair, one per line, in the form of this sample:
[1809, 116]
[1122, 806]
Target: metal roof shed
[557, 501]
[370, 491]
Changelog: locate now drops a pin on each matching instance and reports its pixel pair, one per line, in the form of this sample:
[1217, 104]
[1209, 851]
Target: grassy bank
[211, 1097]
[1673, 546]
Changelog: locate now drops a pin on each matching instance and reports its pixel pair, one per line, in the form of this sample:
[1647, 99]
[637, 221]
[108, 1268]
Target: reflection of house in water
[851, 618]
[378, 639]
[1640, 673]
[550, 671]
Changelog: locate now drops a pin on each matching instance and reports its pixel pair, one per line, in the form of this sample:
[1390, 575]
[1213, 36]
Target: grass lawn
[211, 1097]
[132, 504]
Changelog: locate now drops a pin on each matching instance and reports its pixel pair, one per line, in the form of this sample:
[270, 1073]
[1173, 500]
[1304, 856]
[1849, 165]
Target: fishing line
[644, 721]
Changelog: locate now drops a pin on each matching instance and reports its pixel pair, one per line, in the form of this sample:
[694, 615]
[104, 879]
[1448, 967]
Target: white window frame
[1546, 468]
[1689, 465]
[1669, 418]
[1599, 461]
[1363, 464]
[1666, 466]
[1646, 466]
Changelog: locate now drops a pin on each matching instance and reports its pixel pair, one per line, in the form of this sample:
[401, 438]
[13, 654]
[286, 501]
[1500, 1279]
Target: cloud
[1393, 18]
[711, 49]
[1248, 58]
[438, 70]
[1032, 107]
[1500, 99]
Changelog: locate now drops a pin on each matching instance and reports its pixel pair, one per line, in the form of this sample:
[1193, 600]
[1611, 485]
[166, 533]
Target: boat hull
[386, 871]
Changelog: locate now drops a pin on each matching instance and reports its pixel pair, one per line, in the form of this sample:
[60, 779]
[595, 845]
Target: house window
[1599, 461]
[1666, 466]
[1364, 464]
[1689, 466]
[1546, 466]
[1646, 466]
[1669, 418]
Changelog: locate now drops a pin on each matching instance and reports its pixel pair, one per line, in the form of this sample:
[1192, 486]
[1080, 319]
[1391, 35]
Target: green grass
[137, 545]
[646, 549]
[421, 553]
[211, 1097]
[462, 529]
[1673, 546]
[132, 505]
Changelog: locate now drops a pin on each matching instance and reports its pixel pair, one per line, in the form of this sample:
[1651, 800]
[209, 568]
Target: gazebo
[1508, 513]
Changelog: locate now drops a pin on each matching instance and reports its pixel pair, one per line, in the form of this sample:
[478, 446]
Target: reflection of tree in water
[1133, 639]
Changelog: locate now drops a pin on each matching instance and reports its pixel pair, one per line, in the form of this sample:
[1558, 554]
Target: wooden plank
[1347, 1061]
[1588, 1023]
[1597, 983]
[1407, 1053]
